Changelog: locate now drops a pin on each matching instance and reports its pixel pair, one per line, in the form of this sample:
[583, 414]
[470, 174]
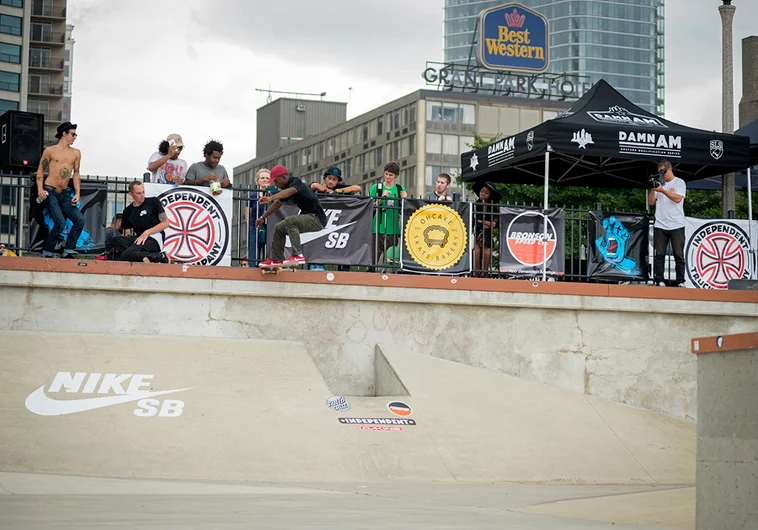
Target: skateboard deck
[277, 270]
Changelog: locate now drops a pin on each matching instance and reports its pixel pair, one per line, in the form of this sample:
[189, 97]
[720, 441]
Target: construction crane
[296, 94]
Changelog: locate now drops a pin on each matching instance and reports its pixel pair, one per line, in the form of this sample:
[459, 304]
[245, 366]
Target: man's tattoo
[64, 172]
[162, 217]
[44, 164]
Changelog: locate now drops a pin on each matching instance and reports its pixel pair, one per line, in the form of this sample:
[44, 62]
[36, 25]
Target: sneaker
[294, 261]
[53, 255]
[681, 285]
[69, 255]
[661, 284]
[270, 263]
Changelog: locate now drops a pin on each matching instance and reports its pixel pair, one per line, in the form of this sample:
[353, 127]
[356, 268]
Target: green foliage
[699, 203]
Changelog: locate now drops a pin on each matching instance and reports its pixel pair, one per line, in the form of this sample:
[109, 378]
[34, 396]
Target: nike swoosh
[39, 403]
[310, 236]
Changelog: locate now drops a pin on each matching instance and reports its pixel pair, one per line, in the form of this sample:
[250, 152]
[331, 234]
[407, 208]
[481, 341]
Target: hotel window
[10, 25]
[433, 143]
[10, 53]
[9, 81]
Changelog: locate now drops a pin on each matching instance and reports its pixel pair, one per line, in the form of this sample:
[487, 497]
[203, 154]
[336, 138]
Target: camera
[657, 179]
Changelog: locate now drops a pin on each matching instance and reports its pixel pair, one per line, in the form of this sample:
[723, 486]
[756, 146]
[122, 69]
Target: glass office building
[620, 41]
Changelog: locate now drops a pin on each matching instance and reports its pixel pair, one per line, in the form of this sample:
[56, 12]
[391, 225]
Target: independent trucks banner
[718, 250]
[200, 230]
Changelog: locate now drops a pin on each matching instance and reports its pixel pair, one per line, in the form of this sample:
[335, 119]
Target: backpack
[380, 186]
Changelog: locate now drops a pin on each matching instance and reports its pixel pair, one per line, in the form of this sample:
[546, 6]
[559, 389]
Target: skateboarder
[311, 218]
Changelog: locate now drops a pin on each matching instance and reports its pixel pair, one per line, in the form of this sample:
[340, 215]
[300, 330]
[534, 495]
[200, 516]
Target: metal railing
[45, 89]
[44, 9]
[46, 62]
[14, 208]
[53, 37]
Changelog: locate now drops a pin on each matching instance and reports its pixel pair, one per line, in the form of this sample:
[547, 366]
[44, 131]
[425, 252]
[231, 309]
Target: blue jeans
[60, 208]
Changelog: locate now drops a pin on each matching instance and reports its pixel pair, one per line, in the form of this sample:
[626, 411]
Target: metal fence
[247, 251]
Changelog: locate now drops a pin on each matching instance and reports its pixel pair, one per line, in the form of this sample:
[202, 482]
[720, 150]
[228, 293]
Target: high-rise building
[621, 42]
[68, 69]
[33, 43]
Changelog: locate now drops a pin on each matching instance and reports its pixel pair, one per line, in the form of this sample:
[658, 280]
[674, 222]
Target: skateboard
[277, 270]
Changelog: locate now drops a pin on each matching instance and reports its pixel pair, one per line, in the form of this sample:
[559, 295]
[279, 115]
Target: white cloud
[145, 69]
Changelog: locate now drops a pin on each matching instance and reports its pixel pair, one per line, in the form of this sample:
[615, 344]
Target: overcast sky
[145, 69]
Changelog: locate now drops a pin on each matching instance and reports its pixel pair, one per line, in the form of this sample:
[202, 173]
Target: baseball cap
[333, 170]
[278, 171]
[177, 138]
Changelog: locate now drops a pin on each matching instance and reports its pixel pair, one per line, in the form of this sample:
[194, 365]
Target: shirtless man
[62, 162]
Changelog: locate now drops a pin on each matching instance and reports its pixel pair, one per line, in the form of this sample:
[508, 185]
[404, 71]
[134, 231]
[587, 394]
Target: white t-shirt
[669, 215]
[165, 173]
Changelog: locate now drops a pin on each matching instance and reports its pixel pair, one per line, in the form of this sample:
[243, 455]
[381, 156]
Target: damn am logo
[515, 38]
[198, 231]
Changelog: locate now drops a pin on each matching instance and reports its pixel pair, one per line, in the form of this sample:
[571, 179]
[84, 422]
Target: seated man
[114, 230]
[209, 172]
[146, 217]
[62, 163]
[333, 183]
[311, 218]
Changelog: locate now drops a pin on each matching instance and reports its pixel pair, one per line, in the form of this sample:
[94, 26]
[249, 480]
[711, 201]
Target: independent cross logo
[716, 253]
[198, 227]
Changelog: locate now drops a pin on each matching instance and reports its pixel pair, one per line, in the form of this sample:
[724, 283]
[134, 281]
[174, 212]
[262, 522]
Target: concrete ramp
[246, 410]
[204, 409]
[491, 427]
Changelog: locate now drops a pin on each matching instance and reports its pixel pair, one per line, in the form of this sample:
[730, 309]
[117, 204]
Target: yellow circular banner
[435, 236]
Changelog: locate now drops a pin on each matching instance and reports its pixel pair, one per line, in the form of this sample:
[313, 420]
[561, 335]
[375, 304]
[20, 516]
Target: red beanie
[278, 171]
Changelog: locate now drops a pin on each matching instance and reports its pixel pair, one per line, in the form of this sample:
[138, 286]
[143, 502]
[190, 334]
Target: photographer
[668, 197]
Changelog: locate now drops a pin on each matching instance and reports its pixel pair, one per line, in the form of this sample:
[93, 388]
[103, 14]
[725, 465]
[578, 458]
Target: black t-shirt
[305, 199]
[142, 217]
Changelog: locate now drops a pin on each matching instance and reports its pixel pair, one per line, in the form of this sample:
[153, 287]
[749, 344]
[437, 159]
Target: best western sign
[512, 37]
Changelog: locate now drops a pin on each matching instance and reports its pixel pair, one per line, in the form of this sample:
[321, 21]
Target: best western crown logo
[514, 19]
[521, 44]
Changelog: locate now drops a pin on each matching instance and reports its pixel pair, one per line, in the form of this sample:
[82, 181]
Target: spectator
[62, 162]
[256, 238]
[147, 219]
[209, 172]
[440, 191]
[669, 222]
[165, 165]
[386, 225]
[113, 230]
[485, 217]
[333, 183]
[310, 219]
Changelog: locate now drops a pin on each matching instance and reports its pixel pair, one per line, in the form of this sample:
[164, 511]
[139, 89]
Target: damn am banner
[200, 231]
[513, 37]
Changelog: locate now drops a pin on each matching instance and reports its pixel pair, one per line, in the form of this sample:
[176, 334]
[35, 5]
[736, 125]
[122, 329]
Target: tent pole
[544, 216]
[750, 215]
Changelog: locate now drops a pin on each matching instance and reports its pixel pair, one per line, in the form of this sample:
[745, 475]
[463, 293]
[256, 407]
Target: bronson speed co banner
[435, 237]
[346, 238]
[92, 204]
[522, 241]
[618, 246]
[716, 251]
[200, 230]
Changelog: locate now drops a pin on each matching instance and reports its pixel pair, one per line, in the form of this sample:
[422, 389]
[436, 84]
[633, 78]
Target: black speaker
[21, 140]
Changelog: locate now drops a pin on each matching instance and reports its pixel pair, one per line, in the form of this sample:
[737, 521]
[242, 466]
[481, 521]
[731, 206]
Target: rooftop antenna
[296, 94]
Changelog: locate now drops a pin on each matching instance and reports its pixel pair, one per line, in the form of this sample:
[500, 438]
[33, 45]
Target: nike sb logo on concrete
[111, 388]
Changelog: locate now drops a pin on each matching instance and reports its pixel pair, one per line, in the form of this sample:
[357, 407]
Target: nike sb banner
[92, 204]
[718, 250]
[618, 246]
[435, 237]
[346, 238]
[199, 230]
[523, 246]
